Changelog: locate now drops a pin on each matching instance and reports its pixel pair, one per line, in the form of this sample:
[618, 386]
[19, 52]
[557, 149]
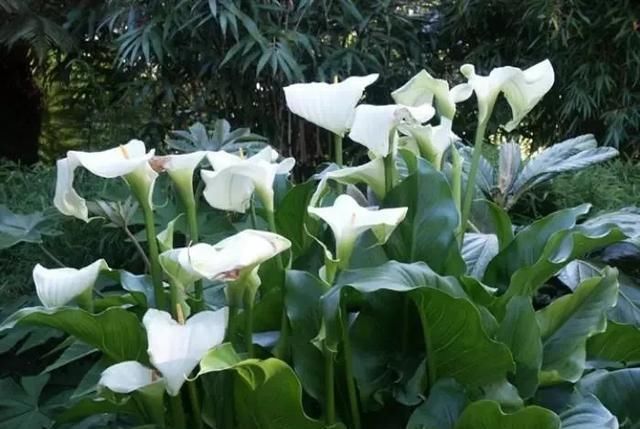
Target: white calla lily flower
[234, 255]
[433, 141]
[56, 287]
[180, 167]
[127, 377]
[423, 88]
[234, 179]
[175, 349]
[130, 161]
[370, 173]
[328, 105]
[348, 221]
[523, 89]
[375, 126]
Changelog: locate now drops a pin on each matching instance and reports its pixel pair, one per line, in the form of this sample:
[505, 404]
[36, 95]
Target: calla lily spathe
[423, 88]
[174, 350]
[375, 126]
[348, 220]
[433, 141]
[130, 161]
[233, 256]
[523, 89]
[234, 179]
[56, 287]
[330, 106]
[180, 167]
[370, 173]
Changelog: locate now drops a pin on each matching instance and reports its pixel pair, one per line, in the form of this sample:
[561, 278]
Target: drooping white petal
[522, 89]
[126, 377]
[370, 173]
[234, 179]
[434, 141]
[330, 106]
[242, 251]
[115, 162]
[348, 220]
[66, 199]
[174, 349]
[374, 126]
[423, 88]
[56, 287]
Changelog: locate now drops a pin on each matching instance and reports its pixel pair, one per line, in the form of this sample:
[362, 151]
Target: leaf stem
[389, 170]
[138, 247]
[348, 369]
[428, 346]
[329, 388]
[156, 269]
[192, 219]
[51, 256]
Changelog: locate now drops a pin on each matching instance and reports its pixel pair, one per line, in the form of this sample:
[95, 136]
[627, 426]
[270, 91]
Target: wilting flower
[330, 106]
[423, 88]
[174, 350]
[235, 178]
[56, 287]
[523, 89]
[375, 126]
[130, 161]
[233, 256]
[348, 220]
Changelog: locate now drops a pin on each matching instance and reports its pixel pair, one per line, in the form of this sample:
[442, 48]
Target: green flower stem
[140, 190]
[348, 369]
[329, 388]
[389, 172]
[174, 300]
[337, 149]
[177, 412]
[271, 218]
[456, 187]
[195, 404]
[250, 297]
[473, 171]
[192, 218]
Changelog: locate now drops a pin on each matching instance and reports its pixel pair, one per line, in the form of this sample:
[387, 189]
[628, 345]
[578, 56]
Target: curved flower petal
[330, 106]
[348, 220]
[374, 126]
[522, 89]
[234, 179]
[240, 252]
[174, 349]
[66, 199]
[370, 173]
[56, 287]
[126, 377]
[423, 88]
[434, 141]
[115, 162]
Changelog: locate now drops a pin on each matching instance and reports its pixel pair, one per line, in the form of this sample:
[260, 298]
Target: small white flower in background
[180, 167]
[348, 220]
[231, 257]
[375, 126]
[234, 179]
[56, 287]
[523, 89]
[174, 350]
[423, 88]
[328, 105]
[130, 161]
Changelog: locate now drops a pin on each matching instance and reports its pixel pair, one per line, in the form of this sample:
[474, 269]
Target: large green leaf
[617, 390]
[16, 228]
[477, 251]
[618, 343]
[589, 413]
[488, 415]
[627, 309]
[442, 408]
[428, 232]
[267, 394]
[492, 219]
[520, 332]
[568, 322]
[116, 332]
[460, 347]
[20, 406]
[303, 293]
[292, 217]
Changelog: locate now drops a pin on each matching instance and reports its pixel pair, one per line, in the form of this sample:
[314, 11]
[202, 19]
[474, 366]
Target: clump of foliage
[268, 304]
